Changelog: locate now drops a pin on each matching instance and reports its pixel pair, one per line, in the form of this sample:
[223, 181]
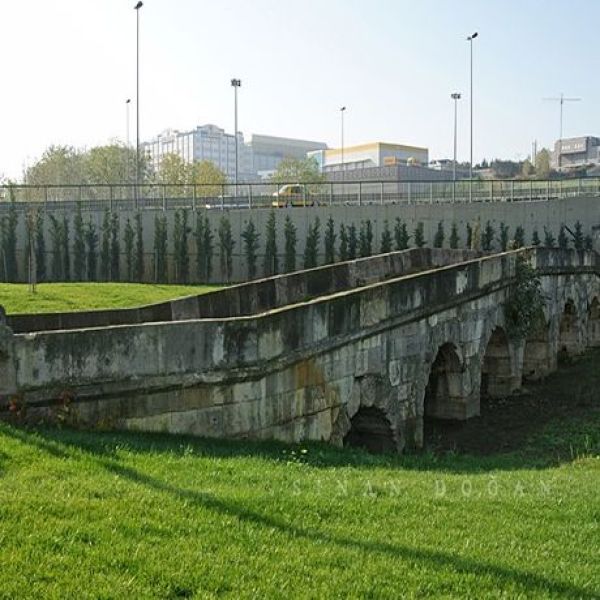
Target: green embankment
[62, 297]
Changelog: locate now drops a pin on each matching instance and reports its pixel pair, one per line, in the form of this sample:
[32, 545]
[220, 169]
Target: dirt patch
[506, 424]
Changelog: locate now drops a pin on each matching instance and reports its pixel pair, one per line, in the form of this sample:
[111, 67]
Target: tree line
[78, 249]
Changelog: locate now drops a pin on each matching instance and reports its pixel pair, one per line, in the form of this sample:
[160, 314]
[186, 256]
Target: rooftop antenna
[561, 100]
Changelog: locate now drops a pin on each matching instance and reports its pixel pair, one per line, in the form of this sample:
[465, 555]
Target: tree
[138, 259]
[294, 170]
[66, 254]
[250, 238]
[289, 234]
[563, 240]
[503, 237]
[343, 243]
[172, 171]
[129, 239]
[352, 242]
[115, 248]
[57, 248]
[535, 238]
[160, 249]
[78, 246]
[40, 248]
[386, 238]
[329, 240]
[58, 165]
[527, 168]
[487, 238]
[519, 237]
[226, 245]
[105, 248]
[311, 249]
[9, 226]
[438, 238]
[469, 236]
[271, 262]
[401, 236]
[180, 246]
[204, 248]
[454, 239]
[366, 238]
[112, 164]
[578, 237]
[419, 235]
[542, 164]
[549, 240]
[208, 177]
[91, 242]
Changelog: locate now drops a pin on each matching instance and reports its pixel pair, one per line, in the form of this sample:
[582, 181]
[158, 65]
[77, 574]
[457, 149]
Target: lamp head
[472, 37]
[138, 5]
[455, 96]
[342, 109]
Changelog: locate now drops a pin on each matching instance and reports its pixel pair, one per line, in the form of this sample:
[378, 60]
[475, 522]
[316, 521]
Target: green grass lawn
[116, 515]
[62, 297]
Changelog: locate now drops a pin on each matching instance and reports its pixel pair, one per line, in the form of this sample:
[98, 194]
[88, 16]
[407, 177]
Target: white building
[257, 159]
[206, 142]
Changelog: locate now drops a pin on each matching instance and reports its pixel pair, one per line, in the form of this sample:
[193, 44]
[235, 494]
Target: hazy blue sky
[69, 65]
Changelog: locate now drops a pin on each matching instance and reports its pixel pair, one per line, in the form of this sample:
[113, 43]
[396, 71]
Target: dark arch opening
[594, 323]
[371, 430]
[496, 379]
[443, 399]
[568, 332]
[537, 355]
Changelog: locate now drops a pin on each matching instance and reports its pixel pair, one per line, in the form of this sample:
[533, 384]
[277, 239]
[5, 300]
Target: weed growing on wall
[524, 308]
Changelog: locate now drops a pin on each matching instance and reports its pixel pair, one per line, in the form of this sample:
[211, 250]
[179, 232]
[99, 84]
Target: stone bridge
[366, 352]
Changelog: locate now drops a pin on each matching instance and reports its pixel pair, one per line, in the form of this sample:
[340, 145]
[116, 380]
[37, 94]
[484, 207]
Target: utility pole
[561, 101]
[470, 40]
[236, 83]
[137, 98]
[456, 97]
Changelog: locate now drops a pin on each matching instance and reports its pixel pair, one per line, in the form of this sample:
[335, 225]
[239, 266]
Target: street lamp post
[137, 96]
[236, 83]
[470, 40]
[342, 111]
[456, 97]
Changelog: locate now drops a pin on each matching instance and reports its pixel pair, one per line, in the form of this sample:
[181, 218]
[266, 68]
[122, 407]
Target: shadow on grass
[73, 445]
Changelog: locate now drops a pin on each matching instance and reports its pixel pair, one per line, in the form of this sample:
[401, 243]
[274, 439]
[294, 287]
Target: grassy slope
[59, 297]
[108, 515]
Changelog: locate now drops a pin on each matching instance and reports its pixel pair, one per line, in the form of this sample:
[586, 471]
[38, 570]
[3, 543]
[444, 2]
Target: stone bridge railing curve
[371, 365]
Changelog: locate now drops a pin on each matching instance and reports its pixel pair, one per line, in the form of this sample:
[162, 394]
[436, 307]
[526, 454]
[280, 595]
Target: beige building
[376, 154]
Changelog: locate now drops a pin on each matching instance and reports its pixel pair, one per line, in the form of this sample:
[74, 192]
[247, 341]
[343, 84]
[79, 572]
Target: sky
[68, 67]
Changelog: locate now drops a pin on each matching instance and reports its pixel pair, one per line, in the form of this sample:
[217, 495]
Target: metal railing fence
[158, 196]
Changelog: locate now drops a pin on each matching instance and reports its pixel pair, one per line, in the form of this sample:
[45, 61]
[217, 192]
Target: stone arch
[538, 356]
[496, 372]
[569, 330]
[371, 430]
[443, 391]
[594, 323]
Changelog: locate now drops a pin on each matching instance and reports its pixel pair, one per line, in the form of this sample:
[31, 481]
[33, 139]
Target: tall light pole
[342, 111]
[236, 83]
[456, 97]
[137, 94]
[470, 40]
